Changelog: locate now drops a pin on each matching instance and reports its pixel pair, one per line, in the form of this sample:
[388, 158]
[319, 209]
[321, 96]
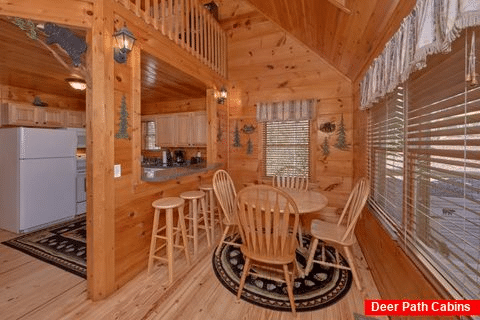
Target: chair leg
[183, 229]
[205, 221]
[217, 252]
[351, 262]
[313, 248]
[289, 281]
[246, 269]
[153, 242]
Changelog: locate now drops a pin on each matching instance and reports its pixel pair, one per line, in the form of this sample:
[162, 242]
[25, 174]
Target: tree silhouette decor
[341, 136]
[236, 137]
[123, 124]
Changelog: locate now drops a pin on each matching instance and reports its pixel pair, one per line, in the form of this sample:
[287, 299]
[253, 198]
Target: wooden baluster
[126, 3]
[188, 22]
[148, 15]
[155, 14]
[217, 47]
[182, 24]
[202, 30]
[162, 15]
[225, 54]
[177, 18]
[197, 29]
[137, 7]
[210, 42]
[170, 19]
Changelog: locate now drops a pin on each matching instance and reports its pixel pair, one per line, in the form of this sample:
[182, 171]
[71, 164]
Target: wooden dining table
[308, 201]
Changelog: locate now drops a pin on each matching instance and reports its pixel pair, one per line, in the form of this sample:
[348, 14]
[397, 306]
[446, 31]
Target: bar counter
[160, 174]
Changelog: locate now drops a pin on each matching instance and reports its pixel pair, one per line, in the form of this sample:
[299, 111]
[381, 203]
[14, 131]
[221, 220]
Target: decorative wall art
[28, 26]
[341, 137]
[37, 101]
[66, 39]
[249, 146]
[236, 137]
[123, 124]
[248, 129]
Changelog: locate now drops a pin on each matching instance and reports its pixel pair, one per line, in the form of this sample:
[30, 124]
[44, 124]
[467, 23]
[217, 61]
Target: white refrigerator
[37, 177]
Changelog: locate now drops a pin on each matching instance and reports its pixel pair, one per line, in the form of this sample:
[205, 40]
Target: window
[424, 167]
[149, 128]
[286, 143]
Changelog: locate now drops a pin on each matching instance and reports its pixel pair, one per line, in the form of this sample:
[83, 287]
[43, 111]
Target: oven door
[81, 197]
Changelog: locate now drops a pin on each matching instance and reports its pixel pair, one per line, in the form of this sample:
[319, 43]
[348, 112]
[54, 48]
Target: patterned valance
[430, 28]
[293, 110]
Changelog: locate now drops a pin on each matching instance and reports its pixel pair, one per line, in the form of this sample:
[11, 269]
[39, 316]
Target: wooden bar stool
[193, 197]
[212, 208]
[168, 204]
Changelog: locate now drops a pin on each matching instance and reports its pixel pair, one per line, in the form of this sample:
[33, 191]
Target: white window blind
[386, 137]
[150, 135]
[438, 220]
[286, 143]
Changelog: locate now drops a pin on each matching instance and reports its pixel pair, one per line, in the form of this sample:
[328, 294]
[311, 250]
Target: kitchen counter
[160, 174]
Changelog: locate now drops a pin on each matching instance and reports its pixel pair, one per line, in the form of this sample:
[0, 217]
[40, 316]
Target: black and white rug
[321, 288]
[62, 245]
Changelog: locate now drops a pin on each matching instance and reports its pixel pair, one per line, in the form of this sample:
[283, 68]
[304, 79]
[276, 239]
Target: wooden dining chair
[225, 192]
[291, 177]
[268, 221]
[340, 233]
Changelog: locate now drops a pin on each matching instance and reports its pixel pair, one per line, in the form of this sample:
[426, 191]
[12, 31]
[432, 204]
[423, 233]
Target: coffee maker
[179, 156]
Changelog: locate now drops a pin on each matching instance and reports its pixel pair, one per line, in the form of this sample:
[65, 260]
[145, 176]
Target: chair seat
[271, 259]
[189, 195]
[168, 203]
[328, 231]
[206, 187]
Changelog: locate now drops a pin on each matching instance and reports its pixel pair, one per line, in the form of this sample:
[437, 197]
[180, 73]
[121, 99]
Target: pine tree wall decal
[123, 124]
[249, 146]
[342, 136]
[325, 148]
[236, 137]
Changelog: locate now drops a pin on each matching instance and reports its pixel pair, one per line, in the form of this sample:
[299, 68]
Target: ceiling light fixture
[77, 83]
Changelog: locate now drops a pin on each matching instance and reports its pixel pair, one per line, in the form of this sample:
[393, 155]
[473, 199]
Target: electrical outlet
[117, 171]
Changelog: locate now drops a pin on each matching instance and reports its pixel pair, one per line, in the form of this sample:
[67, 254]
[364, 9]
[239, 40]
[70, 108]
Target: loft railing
[189, 25]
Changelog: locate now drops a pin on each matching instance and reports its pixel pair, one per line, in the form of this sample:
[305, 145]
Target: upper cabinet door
[199, 129]
[184, 129]
[75, 119]
[18, 115]
[54, 118]
[166, 132]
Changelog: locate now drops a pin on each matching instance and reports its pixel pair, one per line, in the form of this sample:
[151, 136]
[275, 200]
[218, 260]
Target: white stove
[81, 189]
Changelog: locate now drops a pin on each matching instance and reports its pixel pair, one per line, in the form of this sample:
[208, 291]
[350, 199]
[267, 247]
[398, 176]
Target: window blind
[286, 143]
[150, 135]
[438, 120]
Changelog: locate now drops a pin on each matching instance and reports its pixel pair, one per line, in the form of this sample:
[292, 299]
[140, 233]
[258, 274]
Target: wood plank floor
[32, 289]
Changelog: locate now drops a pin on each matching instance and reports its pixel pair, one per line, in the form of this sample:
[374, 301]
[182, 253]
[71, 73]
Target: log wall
[266, 64]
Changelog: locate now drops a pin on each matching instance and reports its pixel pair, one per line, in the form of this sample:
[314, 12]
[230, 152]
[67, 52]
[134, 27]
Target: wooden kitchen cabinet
[183, 129]
[53, 118]
[75, 119]
[199, 129]
[166, 135]
[18, 115]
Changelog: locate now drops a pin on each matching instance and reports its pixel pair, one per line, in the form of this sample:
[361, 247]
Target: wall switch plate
[117, 171]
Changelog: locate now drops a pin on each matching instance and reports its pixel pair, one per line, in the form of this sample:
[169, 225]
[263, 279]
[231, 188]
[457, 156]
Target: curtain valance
[430, 28]
[294, 110]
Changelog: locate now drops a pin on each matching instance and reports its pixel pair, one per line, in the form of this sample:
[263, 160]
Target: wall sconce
[77, 83]
[222, 97]
[124, 39]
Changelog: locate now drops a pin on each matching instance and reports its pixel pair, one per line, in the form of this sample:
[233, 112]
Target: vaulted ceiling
[348, 34]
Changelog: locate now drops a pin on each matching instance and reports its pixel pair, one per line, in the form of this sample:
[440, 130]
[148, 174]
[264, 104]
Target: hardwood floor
[32, 289]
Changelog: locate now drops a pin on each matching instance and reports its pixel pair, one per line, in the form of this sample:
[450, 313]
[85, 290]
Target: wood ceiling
[26, 63]
[349, 42]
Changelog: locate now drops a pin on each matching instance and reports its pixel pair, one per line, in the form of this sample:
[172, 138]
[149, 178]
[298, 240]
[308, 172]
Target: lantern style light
[124, 40]
[222, 97]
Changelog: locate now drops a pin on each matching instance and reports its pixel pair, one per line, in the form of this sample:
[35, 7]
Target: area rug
[321, 288]
[62, 245]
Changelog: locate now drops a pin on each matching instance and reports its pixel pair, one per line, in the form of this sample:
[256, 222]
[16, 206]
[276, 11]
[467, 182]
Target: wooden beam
[100, 153]
[212, 127]
[78, 13]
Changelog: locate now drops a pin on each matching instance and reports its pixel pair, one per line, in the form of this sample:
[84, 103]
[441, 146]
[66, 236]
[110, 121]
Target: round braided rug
[321, 288]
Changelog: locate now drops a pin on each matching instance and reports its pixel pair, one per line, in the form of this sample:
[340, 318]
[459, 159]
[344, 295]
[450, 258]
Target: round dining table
[308, 201]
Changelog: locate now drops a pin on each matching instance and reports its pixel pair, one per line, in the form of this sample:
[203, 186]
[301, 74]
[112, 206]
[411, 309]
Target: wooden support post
[100, 151]
[211, 104]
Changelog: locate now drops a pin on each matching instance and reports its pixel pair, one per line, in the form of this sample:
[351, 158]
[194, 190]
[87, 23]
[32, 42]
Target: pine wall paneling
[266, 64]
